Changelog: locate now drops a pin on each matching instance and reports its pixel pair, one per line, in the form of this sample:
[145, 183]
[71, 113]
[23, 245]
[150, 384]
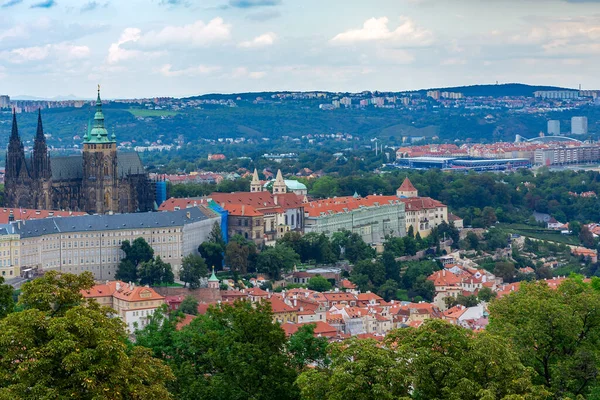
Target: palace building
[99, 181]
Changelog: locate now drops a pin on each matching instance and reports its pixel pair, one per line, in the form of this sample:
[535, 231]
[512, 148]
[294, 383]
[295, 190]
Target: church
[99, 181]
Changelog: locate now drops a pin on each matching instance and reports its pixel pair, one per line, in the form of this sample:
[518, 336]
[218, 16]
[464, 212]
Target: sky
[148, 48]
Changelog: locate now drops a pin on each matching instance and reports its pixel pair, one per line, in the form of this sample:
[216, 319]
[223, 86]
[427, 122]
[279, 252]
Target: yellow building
[9, 256]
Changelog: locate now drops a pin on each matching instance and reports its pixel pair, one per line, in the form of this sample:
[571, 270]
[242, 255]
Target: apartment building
[93, 242]
[567, 155]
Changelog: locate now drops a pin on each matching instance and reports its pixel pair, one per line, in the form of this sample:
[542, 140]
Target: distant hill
[506, 89]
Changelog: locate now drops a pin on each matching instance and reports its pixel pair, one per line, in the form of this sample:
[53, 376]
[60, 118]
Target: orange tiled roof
[23, 214]
[339, 205]
[407, 186]
[124, 292]
[242, 210]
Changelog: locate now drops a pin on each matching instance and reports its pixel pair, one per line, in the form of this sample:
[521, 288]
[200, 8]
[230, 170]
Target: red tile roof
[124, 292]
[242, 210]
[407, 186]
[23, 214]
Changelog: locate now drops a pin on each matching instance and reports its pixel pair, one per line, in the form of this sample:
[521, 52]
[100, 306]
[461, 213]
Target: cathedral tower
[17, 178]
[41, 172]
[100, 172]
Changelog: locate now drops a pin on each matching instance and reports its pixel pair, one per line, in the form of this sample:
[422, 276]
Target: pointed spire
[213, 277]
[15, 130]
[279, 177]
[255, 176]
[39, 136]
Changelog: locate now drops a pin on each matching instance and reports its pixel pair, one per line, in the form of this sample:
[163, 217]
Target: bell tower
[100, 173]
[255, 185]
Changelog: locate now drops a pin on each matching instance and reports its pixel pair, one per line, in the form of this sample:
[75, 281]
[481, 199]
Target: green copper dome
[98, 133]
[213, 277]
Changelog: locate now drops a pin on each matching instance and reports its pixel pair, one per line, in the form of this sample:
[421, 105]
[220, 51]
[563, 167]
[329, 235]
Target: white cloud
[264, 40]
[116, 53]
[376, 29]
[168, 71]
[62, 51]
[196, 34]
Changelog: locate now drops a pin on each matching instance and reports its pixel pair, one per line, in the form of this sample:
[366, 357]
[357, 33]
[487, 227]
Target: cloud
[92, 5]
[196, 34]
[174, 3]
[11, 3]
[253, 3]
[44, 4]
[117, 54]
[397, 56]
[264, 15]
[166, 70]
[376, 29]
[63, 51]
[264, 40]
[453, 61]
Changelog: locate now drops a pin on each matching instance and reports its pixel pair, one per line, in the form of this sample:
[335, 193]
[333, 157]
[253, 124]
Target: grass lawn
[169, 285]
[540, 233]
[142, 112]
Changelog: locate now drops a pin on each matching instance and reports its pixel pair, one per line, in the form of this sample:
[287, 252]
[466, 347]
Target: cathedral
[99, 181]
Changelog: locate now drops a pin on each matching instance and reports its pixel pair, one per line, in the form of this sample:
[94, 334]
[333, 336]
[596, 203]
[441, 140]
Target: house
[322, 329]
[132, 303]
[301, 277]
[592, 255]
[554, 224]
[407, 190]
[456, 220]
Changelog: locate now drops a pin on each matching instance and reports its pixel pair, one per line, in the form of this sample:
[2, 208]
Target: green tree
[236, 256]
[135, 253]
[212, 250]
[359, 369]
[374, 271]
[388, 290]
[445, 361]
[556, 332]
[7, 303]
[59, 348]
[586, 237]
[392, 268]
[274, 260]
[505, 270]
[319, 284]
[305, 349]
[192, 269]
[486, 294]
[233, 352]
[55, 292]
[189, 305]
[155, 272]
[472, 241]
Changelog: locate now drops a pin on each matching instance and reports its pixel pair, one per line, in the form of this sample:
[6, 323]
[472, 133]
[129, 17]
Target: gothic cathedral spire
[41, 160]
[255, 185]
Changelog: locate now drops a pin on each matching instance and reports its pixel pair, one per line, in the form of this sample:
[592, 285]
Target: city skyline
[186, 47]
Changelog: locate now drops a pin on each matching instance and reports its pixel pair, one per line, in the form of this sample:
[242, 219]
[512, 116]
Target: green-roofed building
[99, 181]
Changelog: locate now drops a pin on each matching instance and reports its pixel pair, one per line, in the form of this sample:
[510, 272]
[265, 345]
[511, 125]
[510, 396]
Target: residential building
[372, 217]
[93, 242]
[553, 127]
[567, 155]
[579, 126]
[133, 304]
[557, 94]
[423, 214]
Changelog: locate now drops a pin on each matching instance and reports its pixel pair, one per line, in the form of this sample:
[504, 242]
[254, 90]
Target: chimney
[11, 216]
[188, 215]
[243, 209]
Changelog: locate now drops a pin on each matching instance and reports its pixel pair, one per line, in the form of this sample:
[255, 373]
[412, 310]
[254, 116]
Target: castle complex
[99, 181]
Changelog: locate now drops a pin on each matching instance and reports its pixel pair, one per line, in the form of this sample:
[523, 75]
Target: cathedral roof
[150, 220]
[71, 167]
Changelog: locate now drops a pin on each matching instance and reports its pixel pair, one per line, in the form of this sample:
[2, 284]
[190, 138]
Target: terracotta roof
[339, 296]
[123, 292]
[187, 319]
[368, 297]
[407, 186]
[279, 306]
[421, 203]
[23, 214]
[346, 284]
[242, 210]
[339, 205]
[444, 278]
[261, 201]
[321, 328]
[180, 203]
